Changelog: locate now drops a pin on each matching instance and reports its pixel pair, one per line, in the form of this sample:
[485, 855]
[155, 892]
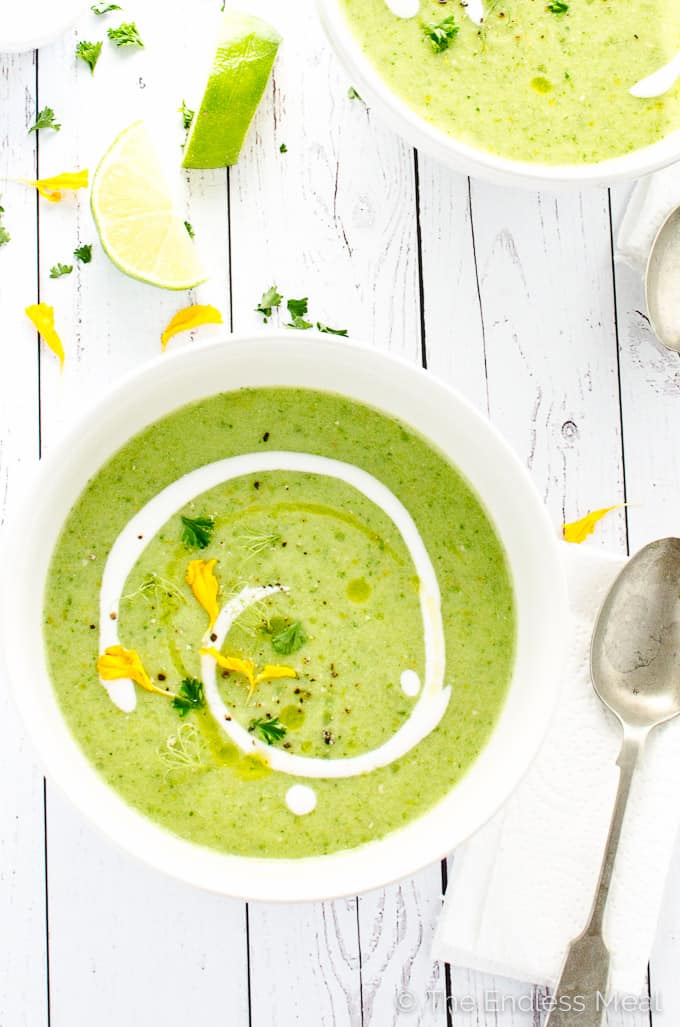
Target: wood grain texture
[23, 968]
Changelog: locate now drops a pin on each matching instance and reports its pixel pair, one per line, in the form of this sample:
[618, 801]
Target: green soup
[538, 81]
[326, 646]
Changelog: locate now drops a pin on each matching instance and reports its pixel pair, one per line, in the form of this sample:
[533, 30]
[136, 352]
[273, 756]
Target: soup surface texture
[365, 636]
[539, 81]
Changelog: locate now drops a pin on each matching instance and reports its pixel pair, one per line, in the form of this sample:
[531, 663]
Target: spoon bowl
[635, 653]
[661, 283]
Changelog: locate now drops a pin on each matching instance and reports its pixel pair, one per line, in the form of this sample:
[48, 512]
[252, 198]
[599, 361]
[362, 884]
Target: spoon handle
[580, 997]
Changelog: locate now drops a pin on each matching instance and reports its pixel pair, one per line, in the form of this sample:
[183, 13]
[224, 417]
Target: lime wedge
[134, 213]
[245, 54]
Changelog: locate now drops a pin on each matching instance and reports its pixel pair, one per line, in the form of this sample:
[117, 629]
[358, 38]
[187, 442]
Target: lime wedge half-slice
[246, 51]
[134, 212]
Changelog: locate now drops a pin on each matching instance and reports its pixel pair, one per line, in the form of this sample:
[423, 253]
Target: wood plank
[23, 969]
[650, 385]
[334, 219]
[125, 943]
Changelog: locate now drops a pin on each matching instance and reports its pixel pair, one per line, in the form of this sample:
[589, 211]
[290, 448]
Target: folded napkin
[650, 203]
[522, 887]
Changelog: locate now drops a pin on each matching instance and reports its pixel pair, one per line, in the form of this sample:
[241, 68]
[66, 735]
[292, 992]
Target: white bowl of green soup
[535, 92]
[282, 615]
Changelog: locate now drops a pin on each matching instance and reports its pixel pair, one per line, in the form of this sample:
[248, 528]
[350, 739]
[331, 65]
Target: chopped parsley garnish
[59, 270]
[197, 531]
[83, 253]
[190, 696]
[352, 93]
[89, 52]
[558, 7]
[4, 234]
[290, 639]
[441, 34]
[45, 119]
[126, 34]
[297, 310]
[330, 331]
[283, 148]
[190, 229]
[270, 299]
[105, 8]
[270, 730]
[187, 115]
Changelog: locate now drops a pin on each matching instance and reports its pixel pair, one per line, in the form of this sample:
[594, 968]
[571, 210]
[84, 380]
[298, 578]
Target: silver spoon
[662, 282]
[635, 666]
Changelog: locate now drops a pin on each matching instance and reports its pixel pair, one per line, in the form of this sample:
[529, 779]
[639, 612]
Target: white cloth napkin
[522, 887]
[650, 203]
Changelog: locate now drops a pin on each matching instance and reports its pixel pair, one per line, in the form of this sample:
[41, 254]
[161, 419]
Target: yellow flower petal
[51, 188]
[247, 668]
[201, 578]
[578, 531]
[190, 317]
[42, 316]
[270, 673]
[118, 662]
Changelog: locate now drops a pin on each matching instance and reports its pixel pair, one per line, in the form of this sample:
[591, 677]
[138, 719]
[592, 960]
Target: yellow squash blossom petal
[118, 662]
[247, 668]
[270, 673]
[42, 316]
[578, 531]
[190, 317]
[51, 188]
[201, 578]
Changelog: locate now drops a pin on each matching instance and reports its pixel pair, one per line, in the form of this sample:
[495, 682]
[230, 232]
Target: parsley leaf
[271, 730]
[105, 8]
[330, 331]
[353, 95]
[190, 696]
[298, 308]
[197, 531]
[558, 7]
[83, 253]
[4, 234]
[283, 148]
[126, 34]
[299, 322]
[45, 119]
[270, 299]
[440, 35]
[89, 52]
[190, 229]
[187, 115]
[290, 639]
[59, 270]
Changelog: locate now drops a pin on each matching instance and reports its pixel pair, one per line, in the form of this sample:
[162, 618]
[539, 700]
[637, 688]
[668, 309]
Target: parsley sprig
[4, 234]
[187, 115]
[270, 730]
[290, 639]
[89, 52]
[59, 270]
[105, 8]
[190, 697]
[442, 34]
[45, 119]
[270, 299]
[83, 253]
[126, 34]
[197, 531]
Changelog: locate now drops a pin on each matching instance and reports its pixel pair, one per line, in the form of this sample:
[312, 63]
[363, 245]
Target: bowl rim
[345, 872]
[61, 18]
[468, 159]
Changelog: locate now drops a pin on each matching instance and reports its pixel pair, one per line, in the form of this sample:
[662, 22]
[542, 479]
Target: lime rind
[245, 55]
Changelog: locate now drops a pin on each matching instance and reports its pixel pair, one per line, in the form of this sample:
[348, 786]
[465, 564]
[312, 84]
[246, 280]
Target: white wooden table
[511, 296]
